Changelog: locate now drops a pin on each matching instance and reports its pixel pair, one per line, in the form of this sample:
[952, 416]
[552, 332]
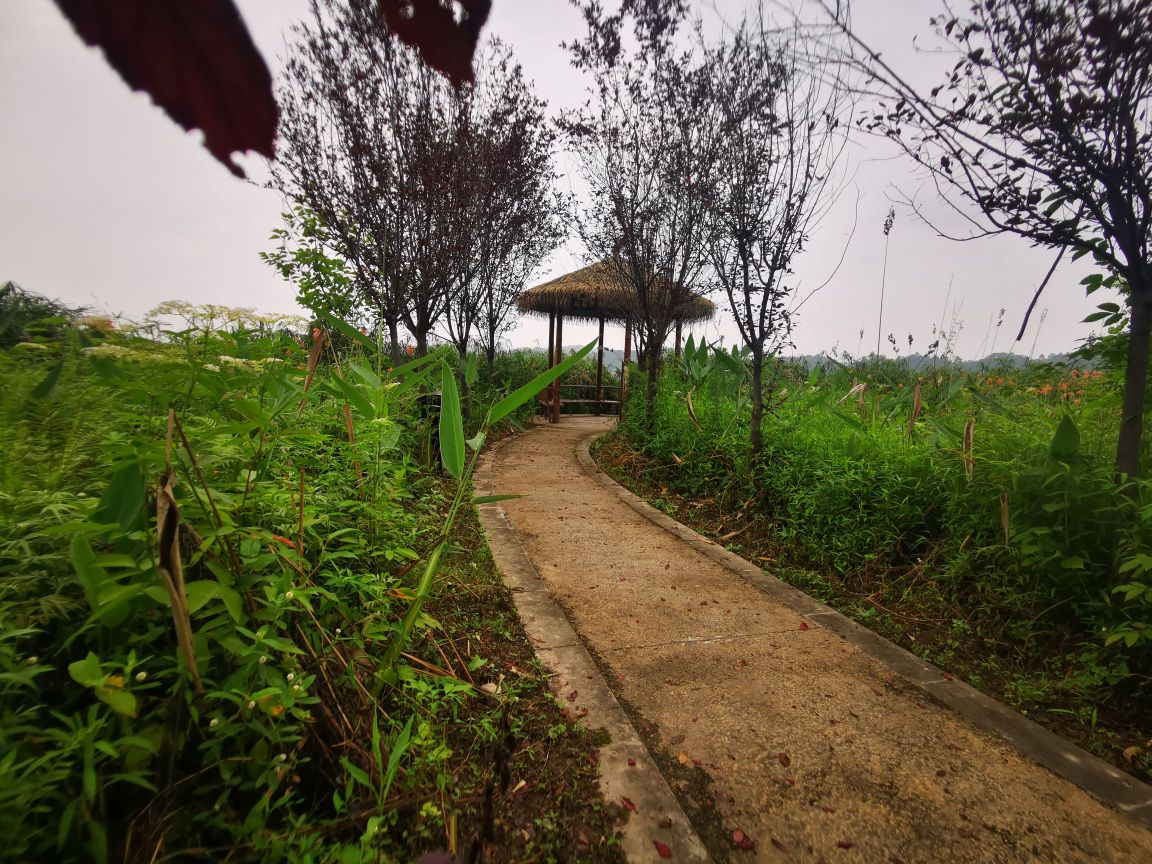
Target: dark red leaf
[803, 625]
[631, 762]
[845, 844]
[662, 850]
[197, 61]
[627, 803]
[431, 28]
[784, 759]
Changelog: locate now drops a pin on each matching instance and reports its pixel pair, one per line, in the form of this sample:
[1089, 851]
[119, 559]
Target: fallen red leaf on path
[662, 850]
[845, 844]
[948, 676]
[784, 758]
[631, 762]
[803, 625]
[627, 804]
[743, 841]
[827, 809]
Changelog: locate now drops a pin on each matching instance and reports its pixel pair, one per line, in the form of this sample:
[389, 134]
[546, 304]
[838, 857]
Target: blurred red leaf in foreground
[197, 61]
[430, 26]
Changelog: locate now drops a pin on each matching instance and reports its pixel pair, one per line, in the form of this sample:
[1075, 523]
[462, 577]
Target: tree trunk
[463, 353]
[490, 358]
[394, 341]
[755, 436]
[651, 406]
[1135, 383]
[421, 337]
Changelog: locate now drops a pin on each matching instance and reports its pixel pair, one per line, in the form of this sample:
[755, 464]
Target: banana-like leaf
[451, 424]
[518, 397]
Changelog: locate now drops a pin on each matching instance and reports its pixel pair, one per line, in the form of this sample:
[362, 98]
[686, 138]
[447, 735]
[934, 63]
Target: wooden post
[600, 369]
[551, 360]
[678, 334]
[559, 357]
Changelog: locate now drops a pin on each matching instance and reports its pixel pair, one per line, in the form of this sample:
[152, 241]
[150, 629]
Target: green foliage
[854, 479]
[213, 559]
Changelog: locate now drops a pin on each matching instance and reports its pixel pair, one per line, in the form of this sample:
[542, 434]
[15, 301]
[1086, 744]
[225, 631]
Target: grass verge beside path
[534, 795]
[909, 609]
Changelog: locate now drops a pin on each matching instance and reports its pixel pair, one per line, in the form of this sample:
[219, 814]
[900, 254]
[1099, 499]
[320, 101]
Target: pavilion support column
[600, 369]
[559, 357]
[679, 324]
[551, 360]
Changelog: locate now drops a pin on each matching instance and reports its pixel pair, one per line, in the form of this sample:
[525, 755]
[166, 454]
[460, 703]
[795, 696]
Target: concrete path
[816, 751]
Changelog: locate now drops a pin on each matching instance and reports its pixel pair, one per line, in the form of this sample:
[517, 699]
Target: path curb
[579, 684]
[1107, 784]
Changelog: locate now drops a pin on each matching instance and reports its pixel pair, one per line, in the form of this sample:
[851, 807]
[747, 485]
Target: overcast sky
[106, 203]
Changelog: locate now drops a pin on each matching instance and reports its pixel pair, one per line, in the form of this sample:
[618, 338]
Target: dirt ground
[814, 751]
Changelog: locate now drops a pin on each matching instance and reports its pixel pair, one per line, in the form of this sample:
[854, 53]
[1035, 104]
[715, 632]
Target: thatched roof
[594, 291]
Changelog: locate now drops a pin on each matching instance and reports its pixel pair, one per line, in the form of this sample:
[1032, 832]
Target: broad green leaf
[358, 774]
[355, 398]
[90, 574]
[365, 373]
[87, 671]
[124, 498]
[343, 327]
[120, 701]
[451, 425]
[518, 397]
[492, 499]
[1065, 446]
[199, 593]
[398, 750]
[476, 441]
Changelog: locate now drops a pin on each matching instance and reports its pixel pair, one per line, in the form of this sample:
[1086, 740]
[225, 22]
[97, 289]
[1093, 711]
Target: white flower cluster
[108, 351]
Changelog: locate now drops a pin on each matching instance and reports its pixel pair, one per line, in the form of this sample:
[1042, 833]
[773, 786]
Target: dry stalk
[969, 434]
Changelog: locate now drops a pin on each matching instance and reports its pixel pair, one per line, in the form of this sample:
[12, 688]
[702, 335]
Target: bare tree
[773, 182]
[337, 148]
[1044, 123]
[507, 200]
[646, 140]
[371, 145]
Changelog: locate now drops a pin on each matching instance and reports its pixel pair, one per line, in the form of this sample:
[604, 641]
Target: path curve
[815, 750]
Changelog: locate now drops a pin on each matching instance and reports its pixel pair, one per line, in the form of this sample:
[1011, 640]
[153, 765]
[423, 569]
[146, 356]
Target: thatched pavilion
[593, 293]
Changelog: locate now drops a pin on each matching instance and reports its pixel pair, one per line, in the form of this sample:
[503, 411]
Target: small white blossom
[215, 722]
[288, 595]
[32, 661]
[295, 688]
[251, 704]
[291, 675]
[263, 659]
[283, 757]
[141, 676]
[338, 631]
